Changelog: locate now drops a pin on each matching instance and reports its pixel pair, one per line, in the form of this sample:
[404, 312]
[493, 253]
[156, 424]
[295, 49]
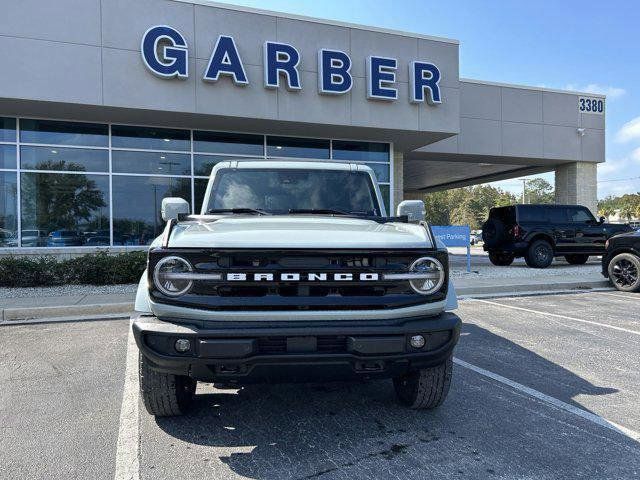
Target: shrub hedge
[94, 269]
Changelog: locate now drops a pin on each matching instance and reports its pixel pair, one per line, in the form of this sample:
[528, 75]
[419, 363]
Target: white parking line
[556, 315]
[630, 296]
[592, 417]
[127, 459]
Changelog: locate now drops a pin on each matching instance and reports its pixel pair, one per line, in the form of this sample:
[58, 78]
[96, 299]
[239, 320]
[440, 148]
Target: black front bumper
[250, 352]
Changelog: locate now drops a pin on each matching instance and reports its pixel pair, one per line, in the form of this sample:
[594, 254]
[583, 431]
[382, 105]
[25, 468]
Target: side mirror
[174, 206]
[602, 219]
[413, 209]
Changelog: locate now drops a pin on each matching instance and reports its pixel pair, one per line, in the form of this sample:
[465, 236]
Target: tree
[53, 201]
[437, 207]
[627, 210]
[465, 206]
[538, 190]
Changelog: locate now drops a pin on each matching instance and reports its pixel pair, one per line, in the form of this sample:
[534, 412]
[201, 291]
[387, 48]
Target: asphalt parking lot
[544, 387]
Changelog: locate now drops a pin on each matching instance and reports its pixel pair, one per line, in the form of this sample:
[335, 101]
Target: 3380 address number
[591, 105]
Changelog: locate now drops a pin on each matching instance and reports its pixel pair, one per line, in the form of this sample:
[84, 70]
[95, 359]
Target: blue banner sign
[453, 235]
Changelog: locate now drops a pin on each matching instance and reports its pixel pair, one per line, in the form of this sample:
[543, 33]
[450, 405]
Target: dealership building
[108, 106]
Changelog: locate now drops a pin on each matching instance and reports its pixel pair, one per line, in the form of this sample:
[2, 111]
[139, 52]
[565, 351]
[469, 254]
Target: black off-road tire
[164, 394]
[501, 259]
[539, 254]
[426, 388]
[624, 272]
[576, 259]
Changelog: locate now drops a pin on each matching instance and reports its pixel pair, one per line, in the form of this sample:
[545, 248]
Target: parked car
[34, 238]
[64, 238]
[621, 261]
[541, 232]
[475, 238]
[277, 288]
[8, 238]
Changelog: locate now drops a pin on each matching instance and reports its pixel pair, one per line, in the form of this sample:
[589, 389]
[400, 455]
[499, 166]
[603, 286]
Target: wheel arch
[542, 236]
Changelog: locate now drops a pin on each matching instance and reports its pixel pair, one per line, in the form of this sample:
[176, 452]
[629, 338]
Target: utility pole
[524, 188]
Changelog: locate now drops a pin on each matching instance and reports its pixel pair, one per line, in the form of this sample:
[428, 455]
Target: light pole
[524, 188]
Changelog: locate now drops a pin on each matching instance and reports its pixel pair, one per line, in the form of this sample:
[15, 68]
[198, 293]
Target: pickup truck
[293, 272]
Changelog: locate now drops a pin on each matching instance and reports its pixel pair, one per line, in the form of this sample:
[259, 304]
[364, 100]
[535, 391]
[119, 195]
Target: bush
[94, 269]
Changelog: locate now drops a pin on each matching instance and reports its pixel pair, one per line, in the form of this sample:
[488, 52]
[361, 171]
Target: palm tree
[627, 210]
[606, 211]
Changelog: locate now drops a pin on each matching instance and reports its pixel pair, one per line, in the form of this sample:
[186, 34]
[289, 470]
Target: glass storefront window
[199, 189]
[203, 164]
[151, 162]
[64, 209]
[64, 159]
[137, 219]
[126, 136]
[360, 151]
[7, 129]
[381, 170]
[66, 169]
[385, 191]
[64, 133]
[230, 143]
[8, 209]
[297, 147]
[8, 156]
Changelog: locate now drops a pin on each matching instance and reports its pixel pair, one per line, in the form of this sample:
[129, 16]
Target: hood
[300, 231]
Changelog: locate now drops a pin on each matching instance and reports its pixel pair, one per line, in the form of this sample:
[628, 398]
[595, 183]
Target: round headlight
[169, 276]
[432, 278]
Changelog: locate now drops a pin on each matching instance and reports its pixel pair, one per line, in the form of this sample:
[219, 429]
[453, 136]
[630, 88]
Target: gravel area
[481, 267]
[63, 290]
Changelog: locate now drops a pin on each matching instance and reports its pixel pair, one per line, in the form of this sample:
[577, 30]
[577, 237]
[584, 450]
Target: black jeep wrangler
[541, 232]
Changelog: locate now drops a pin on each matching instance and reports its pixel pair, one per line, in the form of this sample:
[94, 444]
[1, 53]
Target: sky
[587, 45]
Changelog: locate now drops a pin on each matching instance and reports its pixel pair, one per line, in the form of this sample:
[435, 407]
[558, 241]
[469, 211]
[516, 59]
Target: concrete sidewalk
[66, 306]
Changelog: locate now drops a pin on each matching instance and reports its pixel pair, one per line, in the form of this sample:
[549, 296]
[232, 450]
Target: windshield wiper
[319, 211]
[254, 211]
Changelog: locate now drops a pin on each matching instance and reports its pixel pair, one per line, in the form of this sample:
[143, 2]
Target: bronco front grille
[301, 294]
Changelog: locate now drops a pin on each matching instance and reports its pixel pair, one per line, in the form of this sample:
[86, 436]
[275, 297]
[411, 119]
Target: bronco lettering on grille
[302, 277]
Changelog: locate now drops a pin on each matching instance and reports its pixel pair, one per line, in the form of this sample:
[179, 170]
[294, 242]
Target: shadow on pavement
[357, 430]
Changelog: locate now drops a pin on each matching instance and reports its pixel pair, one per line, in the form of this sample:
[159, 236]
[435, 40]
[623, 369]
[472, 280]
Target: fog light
[182, 345]
[417, 341]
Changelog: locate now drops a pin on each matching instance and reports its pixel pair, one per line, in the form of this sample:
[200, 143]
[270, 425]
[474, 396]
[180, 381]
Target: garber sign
[165, 53]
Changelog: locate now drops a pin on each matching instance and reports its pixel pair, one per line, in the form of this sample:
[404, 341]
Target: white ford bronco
[293, 272]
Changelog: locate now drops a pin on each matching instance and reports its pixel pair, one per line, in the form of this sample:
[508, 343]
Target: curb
[535, 288]
[10, 315]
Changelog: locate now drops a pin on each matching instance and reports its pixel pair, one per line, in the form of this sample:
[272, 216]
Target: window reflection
[60, 158]
[137, 218]
[67, 204]
[381, 170]
[8, 209]
[7, 129]
[297, 147]
[64, 133]
[199, 189]
[7, 156]
[360, 151]
[125, 136]
[64, 209]
[151, 162]
[385, 192]
[231, 143]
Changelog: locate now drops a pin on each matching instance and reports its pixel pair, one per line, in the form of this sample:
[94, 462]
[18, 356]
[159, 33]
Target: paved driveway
[544, 387]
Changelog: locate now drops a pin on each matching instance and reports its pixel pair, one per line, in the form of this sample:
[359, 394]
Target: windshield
[294, 191]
